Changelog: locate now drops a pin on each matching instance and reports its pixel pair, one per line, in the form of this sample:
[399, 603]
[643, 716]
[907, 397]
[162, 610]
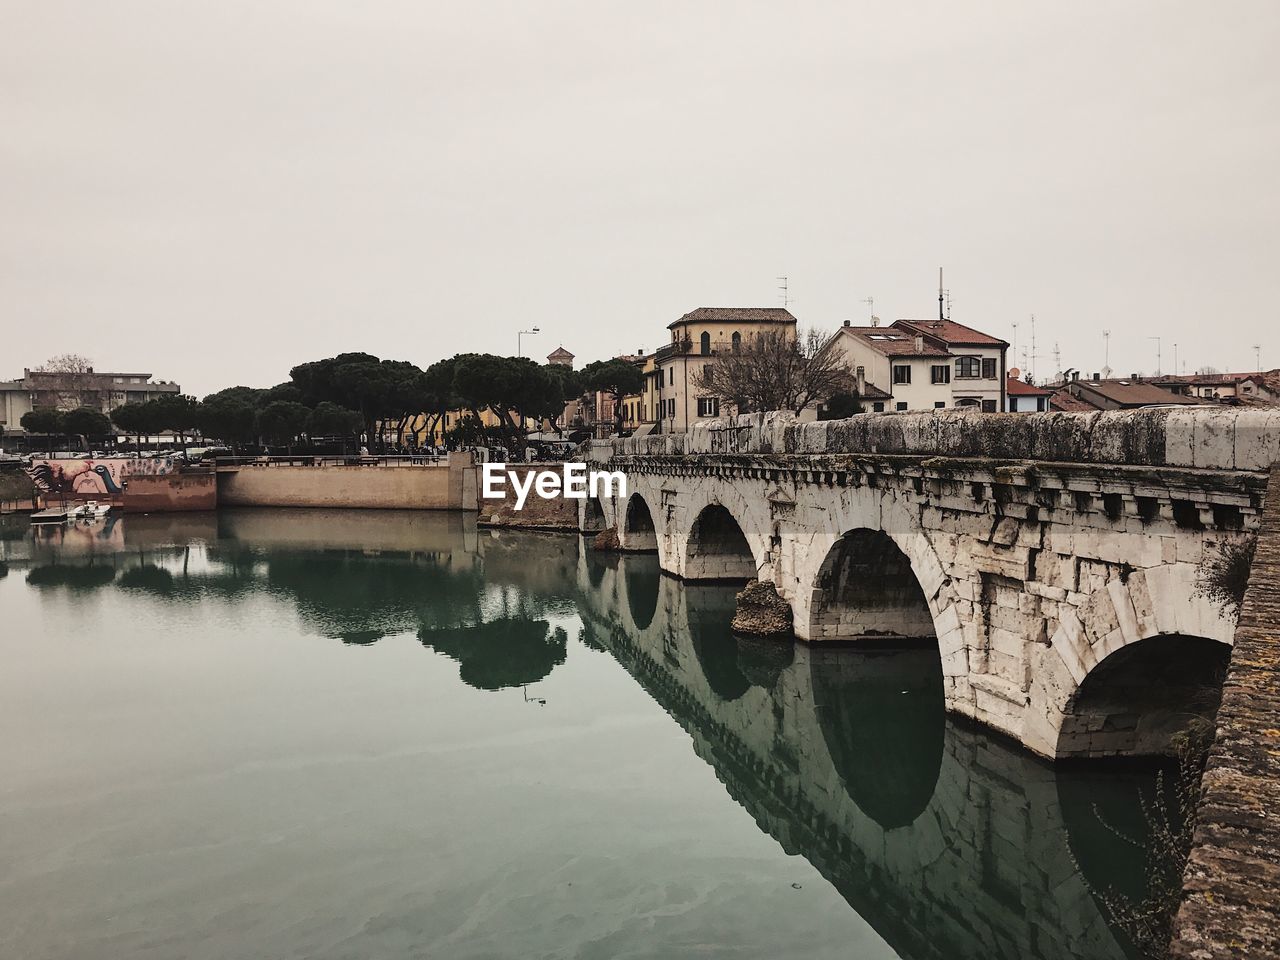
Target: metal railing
[335, 460]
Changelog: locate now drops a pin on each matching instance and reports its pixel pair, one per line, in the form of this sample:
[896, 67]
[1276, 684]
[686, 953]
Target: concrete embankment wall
[170, 493]
[376, 487]
[1208, 437]
[1231, 886]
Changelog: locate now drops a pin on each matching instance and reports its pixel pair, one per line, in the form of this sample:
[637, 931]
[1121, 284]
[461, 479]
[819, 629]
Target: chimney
[1075, 374]
[919, 343]
[1095, 377]
[846, 323]
[860, 381]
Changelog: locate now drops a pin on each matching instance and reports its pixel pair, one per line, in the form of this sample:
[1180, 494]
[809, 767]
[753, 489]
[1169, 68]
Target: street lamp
[524, 333]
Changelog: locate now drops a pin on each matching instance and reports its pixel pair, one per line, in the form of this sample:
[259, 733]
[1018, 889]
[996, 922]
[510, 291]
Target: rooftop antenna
[1015, 341]
[786, 297]
[871, 305]
[1257, 357]
[1034, 355]
[1106, 354]
[1175, 358]
[1057, 359]
[940, 313]
[948, 303]
[1157, 340]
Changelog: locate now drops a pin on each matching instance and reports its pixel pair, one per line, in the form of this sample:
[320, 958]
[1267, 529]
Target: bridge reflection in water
[949, 841]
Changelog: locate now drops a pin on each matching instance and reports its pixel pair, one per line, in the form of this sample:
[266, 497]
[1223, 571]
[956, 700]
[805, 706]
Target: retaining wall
[443, 487]
[170, 493]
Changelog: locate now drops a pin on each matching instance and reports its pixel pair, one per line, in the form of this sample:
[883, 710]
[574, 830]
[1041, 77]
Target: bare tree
[68, 381]
[774, 372]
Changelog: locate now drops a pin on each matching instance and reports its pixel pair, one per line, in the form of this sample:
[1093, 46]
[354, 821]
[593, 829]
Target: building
[1127, 394]
[696, 339]
[639, 410]
[979, 367]
[560, 357]
[1261, 387]
[15, 400]
[105, 391]
[926, 364]
[1023, 397]
[66, 391]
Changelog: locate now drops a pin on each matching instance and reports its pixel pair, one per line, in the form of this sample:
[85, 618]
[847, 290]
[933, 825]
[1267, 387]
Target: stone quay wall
[1231, 905]
[170, 492]
[434, 487]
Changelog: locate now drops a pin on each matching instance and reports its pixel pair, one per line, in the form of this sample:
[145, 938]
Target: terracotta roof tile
[736, 315]
[952, 333]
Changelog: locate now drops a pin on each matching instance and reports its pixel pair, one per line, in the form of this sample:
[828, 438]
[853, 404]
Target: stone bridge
[1057, 559]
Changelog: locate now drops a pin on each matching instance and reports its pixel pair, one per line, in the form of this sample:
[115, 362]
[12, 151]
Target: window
[704, 344]
[988, 406]
[940, 373]
[902, 404]
[708, 407]
[968, 367]
[671, 375]
[877, 407]
[901, 373]
[988, 368]
[939, 404]
[737, 342]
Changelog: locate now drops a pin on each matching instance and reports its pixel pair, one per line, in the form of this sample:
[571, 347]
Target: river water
[352, 735]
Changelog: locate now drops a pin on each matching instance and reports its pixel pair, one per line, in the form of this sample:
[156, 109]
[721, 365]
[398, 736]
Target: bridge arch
[866, 589]
[717, 548]
[593, 516]
[639, 532]
[1092, 691]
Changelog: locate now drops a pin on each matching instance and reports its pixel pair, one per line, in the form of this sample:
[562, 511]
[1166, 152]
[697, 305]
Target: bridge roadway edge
[1231, 887]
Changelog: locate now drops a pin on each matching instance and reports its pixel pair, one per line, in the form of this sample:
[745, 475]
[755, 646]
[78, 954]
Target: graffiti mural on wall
[90, 475]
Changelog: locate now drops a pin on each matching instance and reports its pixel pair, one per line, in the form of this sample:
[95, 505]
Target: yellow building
[696, 339]
[641, 409]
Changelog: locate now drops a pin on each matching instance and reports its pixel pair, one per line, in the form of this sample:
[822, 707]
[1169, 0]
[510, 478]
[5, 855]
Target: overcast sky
[213, 192]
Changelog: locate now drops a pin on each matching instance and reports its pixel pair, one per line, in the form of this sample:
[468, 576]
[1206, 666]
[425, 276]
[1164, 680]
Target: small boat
[89, 510]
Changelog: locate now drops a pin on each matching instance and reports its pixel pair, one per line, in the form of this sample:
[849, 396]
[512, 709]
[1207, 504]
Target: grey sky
[215, 191]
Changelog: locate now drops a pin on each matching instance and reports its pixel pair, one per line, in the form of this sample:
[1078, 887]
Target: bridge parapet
[1208, 438]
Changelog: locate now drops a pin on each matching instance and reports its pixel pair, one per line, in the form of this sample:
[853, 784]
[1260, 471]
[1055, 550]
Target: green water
[351, 735]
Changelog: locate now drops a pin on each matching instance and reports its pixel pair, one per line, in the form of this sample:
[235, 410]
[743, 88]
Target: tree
[283, 420]
[132, 419]
[69, 378]
[228, 417]
[842, 405]
[174, 412]
[43, 421]
[569, 384]
[86, 423]
[330, 420]
[615, 377]
[439, 395]
[773, 372]
[318, 380]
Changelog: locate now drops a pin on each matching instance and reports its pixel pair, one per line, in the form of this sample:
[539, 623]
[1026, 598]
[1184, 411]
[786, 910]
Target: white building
[928, 364]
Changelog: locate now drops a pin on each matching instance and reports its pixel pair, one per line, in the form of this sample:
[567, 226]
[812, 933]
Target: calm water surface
[333, 734]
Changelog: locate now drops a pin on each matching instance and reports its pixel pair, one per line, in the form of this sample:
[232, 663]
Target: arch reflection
[883, 719]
